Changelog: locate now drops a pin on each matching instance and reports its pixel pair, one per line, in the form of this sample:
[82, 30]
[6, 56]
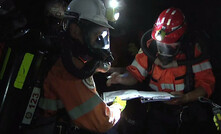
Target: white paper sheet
[146, 96]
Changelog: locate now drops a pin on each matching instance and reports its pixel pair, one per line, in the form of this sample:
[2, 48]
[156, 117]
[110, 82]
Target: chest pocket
[171, 79]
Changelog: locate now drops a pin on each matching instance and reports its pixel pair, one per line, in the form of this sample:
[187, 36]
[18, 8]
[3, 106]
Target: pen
[109, 77]
[122, 75]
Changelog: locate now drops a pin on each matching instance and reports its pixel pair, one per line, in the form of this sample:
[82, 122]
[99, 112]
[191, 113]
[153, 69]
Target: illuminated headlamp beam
[116, 16]
[113, 3]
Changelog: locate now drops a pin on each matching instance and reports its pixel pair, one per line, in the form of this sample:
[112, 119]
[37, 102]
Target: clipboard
[145, 96]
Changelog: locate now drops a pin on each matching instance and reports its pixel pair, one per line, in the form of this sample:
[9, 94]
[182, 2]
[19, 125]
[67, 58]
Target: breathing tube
[193, 38]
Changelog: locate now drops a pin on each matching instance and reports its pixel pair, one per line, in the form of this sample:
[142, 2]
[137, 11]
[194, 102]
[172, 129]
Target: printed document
[146, 96]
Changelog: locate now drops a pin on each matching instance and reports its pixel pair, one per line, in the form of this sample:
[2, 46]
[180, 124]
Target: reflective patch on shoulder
[89, 82]
[140, 51]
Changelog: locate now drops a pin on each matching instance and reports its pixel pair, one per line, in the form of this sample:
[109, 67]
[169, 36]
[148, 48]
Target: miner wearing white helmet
[69, 85]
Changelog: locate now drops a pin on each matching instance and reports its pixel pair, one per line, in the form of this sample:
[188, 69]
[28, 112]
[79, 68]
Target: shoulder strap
[189, 77]
[150, 64]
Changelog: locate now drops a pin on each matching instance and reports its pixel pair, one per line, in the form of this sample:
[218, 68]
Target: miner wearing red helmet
[178, 67]
[170, 26]
[167, 31]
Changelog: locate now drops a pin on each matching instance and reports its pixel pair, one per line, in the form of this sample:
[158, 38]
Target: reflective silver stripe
[49, 104]
[154, 87]
[174, 11]
[85, 107]
[89, 82]
[167, 86]
[142, 71]
[168, 10]
[179, 87]
[201, 67]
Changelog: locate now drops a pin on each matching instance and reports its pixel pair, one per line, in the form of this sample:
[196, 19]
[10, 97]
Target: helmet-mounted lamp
[160, 35]
[112, 12]
[113, 3]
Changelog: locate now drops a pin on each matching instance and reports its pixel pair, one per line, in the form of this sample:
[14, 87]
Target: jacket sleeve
[138, 68]
[49, 102]
[204, 76]
[84, 106]
[79, 98]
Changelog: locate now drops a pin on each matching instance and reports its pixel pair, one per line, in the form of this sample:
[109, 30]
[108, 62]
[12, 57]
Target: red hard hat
[170, 26]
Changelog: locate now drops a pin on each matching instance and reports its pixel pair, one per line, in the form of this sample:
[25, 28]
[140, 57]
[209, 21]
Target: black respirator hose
[71, 48]
[83, 73]
[146, 36]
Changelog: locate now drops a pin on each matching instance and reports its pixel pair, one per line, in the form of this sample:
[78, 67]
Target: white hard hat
[91, 10]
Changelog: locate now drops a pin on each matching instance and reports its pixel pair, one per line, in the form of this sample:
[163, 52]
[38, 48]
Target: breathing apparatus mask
[97, 40]
[13, 22]
[53, 17]
[167, 52]
[94, 52]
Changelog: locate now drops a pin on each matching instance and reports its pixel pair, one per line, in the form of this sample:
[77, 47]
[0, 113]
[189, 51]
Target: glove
[216, 111]
[122, 103]
[217, 118]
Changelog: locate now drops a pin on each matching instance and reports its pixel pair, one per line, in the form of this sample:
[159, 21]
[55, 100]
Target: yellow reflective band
[23, 70]
[5, 63]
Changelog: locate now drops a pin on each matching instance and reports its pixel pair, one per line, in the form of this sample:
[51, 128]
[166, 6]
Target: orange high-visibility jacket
[78, 97]
[171, 79]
